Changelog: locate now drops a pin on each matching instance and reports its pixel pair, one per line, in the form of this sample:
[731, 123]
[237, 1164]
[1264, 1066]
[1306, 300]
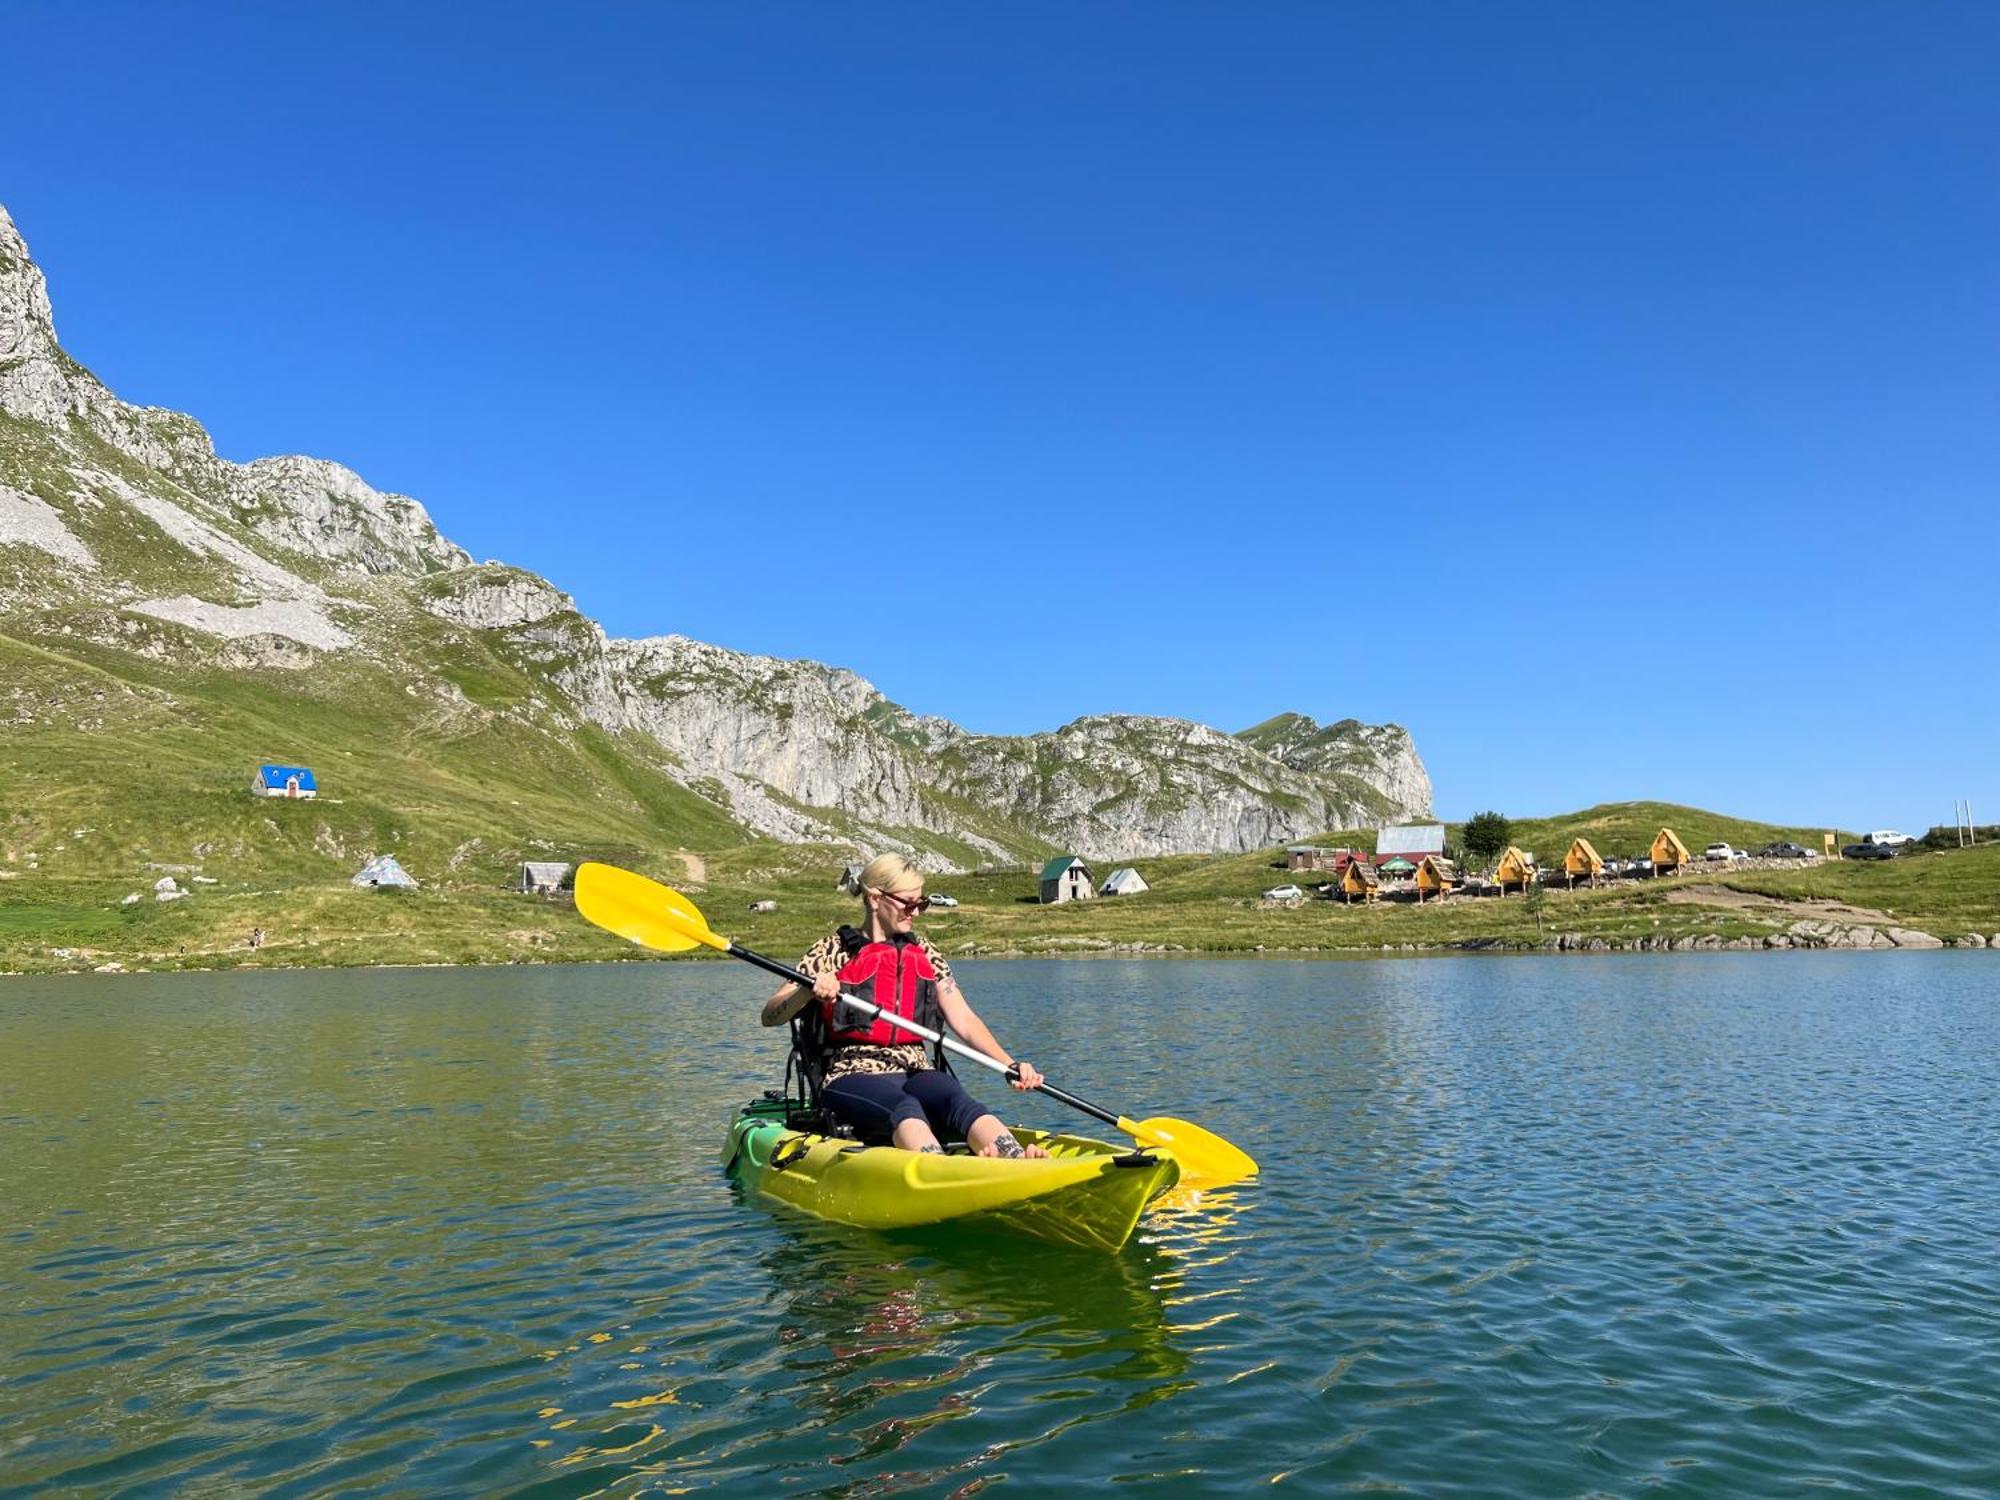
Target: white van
[1888, 838]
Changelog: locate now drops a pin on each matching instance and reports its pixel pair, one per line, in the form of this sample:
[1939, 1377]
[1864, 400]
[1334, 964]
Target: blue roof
[277, 776]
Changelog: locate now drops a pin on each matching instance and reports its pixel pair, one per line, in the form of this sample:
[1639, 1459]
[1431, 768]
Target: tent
[850, 879]
[383, 870]
[1124, 881]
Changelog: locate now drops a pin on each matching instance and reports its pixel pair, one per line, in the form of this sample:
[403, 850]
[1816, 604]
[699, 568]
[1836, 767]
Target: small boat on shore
[1085, 1193]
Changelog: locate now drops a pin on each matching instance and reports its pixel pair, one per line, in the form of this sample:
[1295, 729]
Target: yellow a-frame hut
[1583, 862]
[1513, 869]
[1669, 853]
[1359, 879]
[1435, 876]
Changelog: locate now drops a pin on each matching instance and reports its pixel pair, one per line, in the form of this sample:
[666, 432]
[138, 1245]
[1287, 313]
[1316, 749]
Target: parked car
[1888, 838]
[1718, 851]
[1642, 866]
[940, 900]
[1870, 851]
[1784, 851]
[1284, 893]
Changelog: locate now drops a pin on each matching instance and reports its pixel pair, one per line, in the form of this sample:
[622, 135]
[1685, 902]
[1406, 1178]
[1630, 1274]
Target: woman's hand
[1029, 1076]
[826, 987]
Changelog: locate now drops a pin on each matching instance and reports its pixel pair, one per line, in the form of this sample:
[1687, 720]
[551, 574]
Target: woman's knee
[874, 1105]
[949, 1107]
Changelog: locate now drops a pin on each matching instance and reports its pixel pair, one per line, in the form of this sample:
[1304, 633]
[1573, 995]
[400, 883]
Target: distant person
[880, 1080]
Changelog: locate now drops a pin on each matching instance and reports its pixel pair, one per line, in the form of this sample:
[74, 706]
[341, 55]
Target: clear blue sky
[1609, 393]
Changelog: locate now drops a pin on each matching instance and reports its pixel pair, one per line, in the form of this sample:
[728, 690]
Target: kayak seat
[805, 1080]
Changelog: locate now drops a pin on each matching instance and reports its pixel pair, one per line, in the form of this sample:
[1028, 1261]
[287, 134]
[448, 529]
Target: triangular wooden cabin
[1435, 876]
[1582, 861]
[1514, 869]
[1359, 879]
[1669, 853]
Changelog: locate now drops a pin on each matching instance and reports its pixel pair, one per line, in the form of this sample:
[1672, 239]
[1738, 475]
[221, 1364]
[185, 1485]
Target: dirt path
[697, 868]
[1715, 895]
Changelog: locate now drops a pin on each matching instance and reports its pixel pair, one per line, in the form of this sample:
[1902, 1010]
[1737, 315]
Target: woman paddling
[877, 1078]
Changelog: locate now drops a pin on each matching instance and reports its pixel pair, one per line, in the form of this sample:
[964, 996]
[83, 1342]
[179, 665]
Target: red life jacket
[896, 975]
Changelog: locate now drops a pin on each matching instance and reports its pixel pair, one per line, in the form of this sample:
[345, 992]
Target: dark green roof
[1054, 868]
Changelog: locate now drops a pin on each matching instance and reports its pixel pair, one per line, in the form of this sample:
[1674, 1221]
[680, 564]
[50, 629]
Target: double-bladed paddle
[645, 912]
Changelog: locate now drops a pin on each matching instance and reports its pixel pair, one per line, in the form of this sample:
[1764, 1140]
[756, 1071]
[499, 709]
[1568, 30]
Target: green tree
[1486, 834]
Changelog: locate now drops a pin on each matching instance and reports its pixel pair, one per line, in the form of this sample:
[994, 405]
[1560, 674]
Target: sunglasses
[910, 904]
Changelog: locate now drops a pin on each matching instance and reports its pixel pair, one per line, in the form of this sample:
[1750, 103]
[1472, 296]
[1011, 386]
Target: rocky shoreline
[1804, 936]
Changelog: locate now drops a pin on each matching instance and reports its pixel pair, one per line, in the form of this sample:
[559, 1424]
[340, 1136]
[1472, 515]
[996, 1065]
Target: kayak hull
[1086, 1193]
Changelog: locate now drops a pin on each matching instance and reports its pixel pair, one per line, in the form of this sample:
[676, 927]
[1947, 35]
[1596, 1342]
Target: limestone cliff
[121, 526]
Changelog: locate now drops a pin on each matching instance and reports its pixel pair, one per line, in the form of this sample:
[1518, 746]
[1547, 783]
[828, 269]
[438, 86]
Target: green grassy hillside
[282, 882]
[1624, 830]
[117, 769]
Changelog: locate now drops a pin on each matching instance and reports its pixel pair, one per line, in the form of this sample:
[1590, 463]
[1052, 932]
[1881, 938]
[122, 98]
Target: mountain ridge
[123, 532]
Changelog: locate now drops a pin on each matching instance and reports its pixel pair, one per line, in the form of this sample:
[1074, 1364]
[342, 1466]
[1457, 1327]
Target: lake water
[1536, 1226]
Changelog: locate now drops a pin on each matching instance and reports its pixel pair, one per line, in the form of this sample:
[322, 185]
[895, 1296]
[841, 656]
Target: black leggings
[876, 1103]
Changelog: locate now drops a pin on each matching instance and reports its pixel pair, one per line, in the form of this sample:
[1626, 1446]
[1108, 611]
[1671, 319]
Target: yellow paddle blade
[1206, 1159]
[642, 911]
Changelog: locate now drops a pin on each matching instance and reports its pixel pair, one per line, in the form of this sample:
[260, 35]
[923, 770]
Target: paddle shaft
[949, 1043]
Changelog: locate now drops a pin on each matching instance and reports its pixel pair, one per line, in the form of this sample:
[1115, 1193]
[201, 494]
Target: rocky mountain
[131, 553]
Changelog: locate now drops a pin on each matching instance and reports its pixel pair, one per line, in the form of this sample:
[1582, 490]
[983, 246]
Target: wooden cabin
[1359, 879]
[1435, 876]
[1669, 853]
[1318, 857]
[1583, 862]
[1515, 868]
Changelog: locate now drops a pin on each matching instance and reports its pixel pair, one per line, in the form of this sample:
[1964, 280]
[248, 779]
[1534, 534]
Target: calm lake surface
[1713, 1224]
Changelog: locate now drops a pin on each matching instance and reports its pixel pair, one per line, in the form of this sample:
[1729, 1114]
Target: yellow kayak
[1085, 1193]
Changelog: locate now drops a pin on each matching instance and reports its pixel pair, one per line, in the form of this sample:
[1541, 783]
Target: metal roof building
[543, 877]
[1066, 878]
[284, 781]
[1410, 840]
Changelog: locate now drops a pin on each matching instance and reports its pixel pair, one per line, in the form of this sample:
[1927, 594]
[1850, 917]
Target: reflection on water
[1525, 1227]
[881, 1341]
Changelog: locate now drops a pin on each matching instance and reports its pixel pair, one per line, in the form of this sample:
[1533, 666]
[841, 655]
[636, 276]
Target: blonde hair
[889, 872]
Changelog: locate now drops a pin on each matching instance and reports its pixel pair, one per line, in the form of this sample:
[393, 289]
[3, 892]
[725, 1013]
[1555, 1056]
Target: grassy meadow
[57, 919]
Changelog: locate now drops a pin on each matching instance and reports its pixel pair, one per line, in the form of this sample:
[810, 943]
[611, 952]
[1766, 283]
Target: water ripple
[1718, 1225]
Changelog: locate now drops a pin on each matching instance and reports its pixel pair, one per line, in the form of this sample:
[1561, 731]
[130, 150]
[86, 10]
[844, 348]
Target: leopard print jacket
[825, 957]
